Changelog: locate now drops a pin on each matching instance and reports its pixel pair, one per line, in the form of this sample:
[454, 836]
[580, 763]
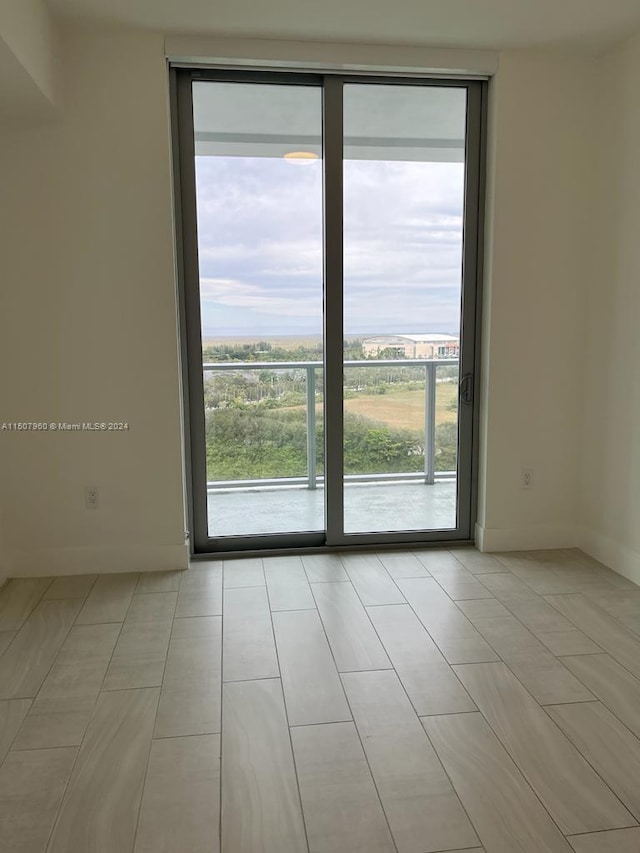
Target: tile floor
[409, 702]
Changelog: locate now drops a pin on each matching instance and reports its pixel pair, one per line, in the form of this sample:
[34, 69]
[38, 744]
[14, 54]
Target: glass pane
[259, 208]
[404, 149]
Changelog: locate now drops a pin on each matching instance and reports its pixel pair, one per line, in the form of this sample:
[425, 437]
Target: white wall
[28, 66]
[88, 319]
[539, 195]
[610, 468]
[88, 312]
[4, 569]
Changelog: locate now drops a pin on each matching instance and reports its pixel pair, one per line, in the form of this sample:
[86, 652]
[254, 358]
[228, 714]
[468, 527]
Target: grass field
[405, 409]
[402, 409]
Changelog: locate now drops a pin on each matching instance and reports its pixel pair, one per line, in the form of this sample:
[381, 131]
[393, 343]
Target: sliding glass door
[258, 179]
[328, 230]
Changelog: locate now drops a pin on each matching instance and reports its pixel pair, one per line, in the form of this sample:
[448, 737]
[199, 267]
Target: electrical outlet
[91, 497]
[526, 478]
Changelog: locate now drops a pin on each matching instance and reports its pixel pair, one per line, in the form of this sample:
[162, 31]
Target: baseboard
[525, 538]
[616, 556]
[43, 562]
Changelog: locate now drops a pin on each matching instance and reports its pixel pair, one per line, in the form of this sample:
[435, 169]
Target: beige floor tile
[440, 560]
[60, 713]
[371, 580]
[545, 580]
[32, 784]
[615, 579]
[192, 603]
[457, 582]
[55, 722]
[180, 810]
[159, 582]
[551, 628]
[353, 640]
[74, 680]
[109, 599]
[508, 636]
[615, 841]
[546, 678]
[18, 598]
[402, 564]
[100, 807]
[507, 588]
[505, 812]
[312, 688]
[71, 586]
[548, 559]
[476, 562]
[12, 713]
[482, 608]
[456, 637]
[139, 656]
[617, 602]
[260, 801]
[249, 649]
[341, 806]
[431, 684]
[423, 811]
[243, 572]
[609, 582]
[630, 621]
[89, 643]
[571, 792]
[324, 568]
[595, 572]
[608, 746]
[612, 684]
[150, 606]
[191, 697]
[25, 664]
[569, 642]
[207, 566]
[602, 628]
[287, 584]
[6, 638]
[538, 615]
[196, 626]
[200, 591]
[558, 572]
[581, 755]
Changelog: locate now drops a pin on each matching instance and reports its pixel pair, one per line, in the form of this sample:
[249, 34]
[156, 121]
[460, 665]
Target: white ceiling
[585, 25]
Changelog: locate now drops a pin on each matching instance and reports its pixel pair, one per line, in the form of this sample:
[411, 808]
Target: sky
[260, 246]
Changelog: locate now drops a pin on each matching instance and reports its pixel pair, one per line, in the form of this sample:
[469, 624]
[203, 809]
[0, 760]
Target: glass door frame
[188, 279]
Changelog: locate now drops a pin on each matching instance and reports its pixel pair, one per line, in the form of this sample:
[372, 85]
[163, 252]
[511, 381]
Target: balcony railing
[312, 479]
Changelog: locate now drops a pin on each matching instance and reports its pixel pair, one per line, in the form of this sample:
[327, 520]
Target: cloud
[260, 244]
[245, 295]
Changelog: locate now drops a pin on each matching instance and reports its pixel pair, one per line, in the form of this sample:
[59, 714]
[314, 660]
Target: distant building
[413, 346]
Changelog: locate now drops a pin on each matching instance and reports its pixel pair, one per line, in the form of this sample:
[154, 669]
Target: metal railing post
[430, 424]
[311, 426]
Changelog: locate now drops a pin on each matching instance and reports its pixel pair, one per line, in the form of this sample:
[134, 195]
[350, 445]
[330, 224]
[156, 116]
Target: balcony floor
[369, 507]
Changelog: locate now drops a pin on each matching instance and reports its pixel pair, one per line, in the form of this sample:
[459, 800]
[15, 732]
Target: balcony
[397, 477]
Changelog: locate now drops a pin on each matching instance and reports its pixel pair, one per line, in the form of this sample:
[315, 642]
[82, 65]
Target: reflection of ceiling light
[301, 158]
